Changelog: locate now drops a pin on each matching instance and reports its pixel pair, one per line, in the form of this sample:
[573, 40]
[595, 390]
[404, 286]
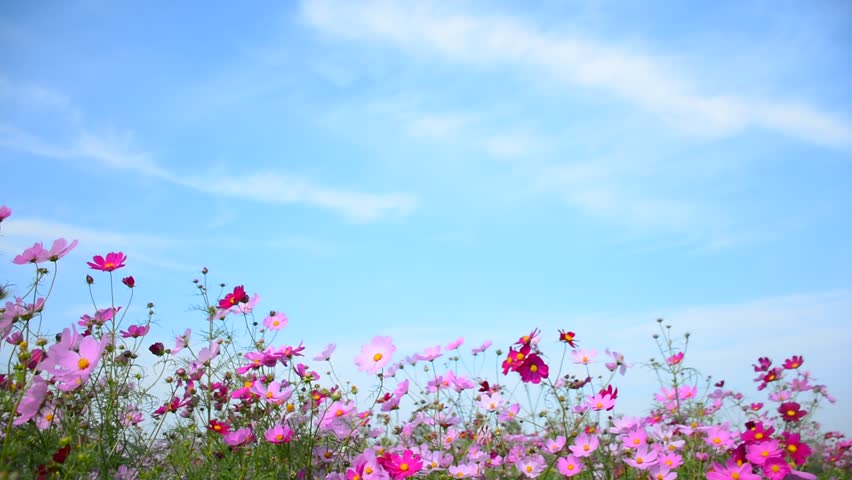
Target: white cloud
[638, 78]
[280, 189]
[117, 152]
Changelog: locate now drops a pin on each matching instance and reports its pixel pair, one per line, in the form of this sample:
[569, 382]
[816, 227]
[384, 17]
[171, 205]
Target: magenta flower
[130, 282]
[401, 466]
[113, 261]
[793, 363]
[791, 411]
[675, 359]
[239, 295]
[533, 369]
[375, 355]
[5, 212]
[35, 254]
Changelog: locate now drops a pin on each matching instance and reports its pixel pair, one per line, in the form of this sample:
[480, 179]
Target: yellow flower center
[758, 436]
[636, 441]
[377, 357]
[792, 448]
[717, 440]
[586, 448]
[639, 460]
[339, 413]
[791, 413]
[533, 368]
[735, 476]
[570, 467]
[109, 265]
[83, 363]
[403, 467]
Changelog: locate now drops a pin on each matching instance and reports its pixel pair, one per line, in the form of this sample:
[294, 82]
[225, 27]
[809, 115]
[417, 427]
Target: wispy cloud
[22, 232]
[117, 152]
[275, 188]
[638, 78]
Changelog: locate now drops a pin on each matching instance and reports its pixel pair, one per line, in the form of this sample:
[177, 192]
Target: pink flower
[113, 261]
[642, 458]
[401, 466]
[275, 321]
[584, 445]
[72, 368]
[583, 357]
[732, 470]
[135, 331]
[325, 355]
[60, 248]
[569, 466]
[675, 359]
[481, 348]
[5, 212]
[279, 434]
[130, 282]
[32, 400]
[239, 437]
[375, 355]
[35, 254]
[455, 344]
[531, 466]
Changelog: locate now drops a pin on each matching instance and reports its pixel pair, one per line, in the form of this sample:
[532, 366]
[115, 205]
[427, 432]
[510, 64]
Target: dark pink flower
[239, 295]
[129, 281]
[4, 212]
[533, 369]
[791, 411]
[794, 363]
[401, 466]
[113, 261]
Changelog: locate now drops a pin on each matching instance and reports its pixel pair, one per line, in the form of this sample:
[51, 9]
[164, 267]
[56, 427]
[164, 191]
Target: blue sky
[429, 170]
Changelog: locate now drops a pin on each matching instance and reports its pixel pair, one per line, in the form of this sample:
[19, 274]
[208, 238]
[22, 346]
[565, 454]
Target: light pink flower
[60, 248]
[35, 254]
[375, 355]
[32, 400]
[275, 321]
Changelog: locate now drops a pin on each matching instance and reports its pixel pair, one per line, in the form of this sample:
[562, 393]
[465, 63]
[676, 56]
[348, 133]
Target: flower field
[101, 399]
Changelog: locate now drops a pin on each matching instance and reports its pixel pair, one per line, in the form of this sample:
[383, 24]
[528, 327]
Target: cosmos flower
[113, 261]
[375, 355]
